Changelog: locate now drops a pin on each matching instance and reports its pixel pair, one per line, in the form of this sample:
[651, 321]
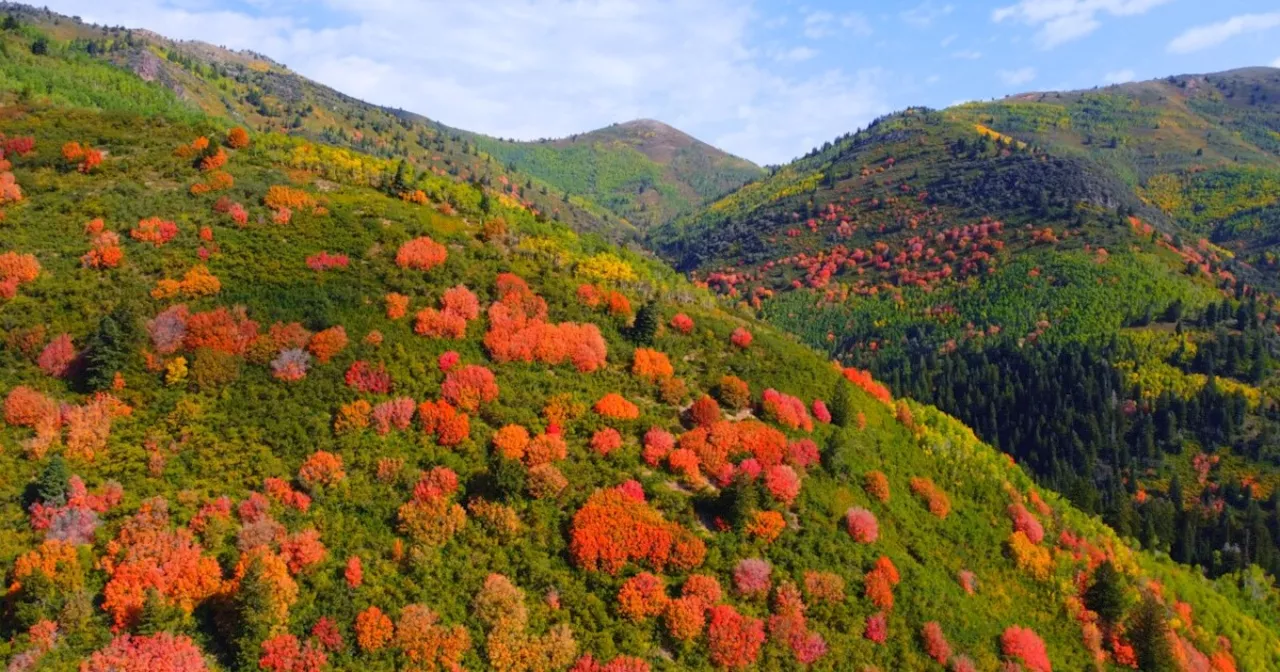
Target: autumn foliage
[1026, 647]
[612, 529]
[932, 496]
[734, 639]
[421, 254]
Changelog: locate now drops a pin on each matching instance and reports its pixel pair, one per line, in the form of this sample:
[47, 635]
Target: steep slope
[251, 89]
[1204, 149]
[972, 269]
[644, 171]
[510, 478]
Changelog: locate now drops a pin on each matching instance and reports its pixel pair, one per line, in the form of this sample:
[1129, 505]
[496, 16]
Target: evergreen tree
[159, 616]
[51, 487]
[646, 324]
[1149, 634]
[841, 405]
[108, 350]
[253, 615]
[1106, 594]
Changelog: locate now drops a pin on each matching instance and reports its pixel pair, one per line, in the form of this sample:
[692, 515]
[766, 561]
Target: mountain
[643, 171]
[1204, 149]
[262, 412]
[264, 95]
[989, 257]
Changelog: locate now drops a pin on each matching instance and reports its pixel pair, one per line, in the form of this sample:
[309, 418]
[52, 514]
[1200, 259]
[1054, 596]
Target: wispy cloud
[1213, 34]
[923, 15]
[1017, 77]
[821, 24]
[1061, 21]
[544, 68]
[794, 55]
[1120, 76]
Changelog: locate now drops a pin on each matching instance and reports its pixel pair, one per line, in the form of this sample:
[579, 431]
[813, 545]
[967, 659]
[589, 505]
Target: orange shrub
[421, 254]
[615, 407]
[237, 138]
[373, 629]
[651, 365]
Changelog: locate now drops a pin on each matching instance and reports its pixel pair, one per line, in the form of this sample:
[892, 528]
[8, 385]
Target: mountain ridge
[379, 418]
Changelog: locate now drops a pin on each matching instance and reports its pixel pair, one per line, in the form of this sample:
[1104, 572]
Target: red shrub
[1026, 523]
[468, 387]
[606, 441]
[935, 643]
[161, 652]
[877, 628]
[783, 483]
[751, 577]
[734, 640]
[612, 529]
[421, 254]
[364, 378]
[641, 597]
[786, 410]
[937, 501]
[1025, 645]
[57, 357]
[862, 525]
[397, 305]
[705, 411]
[321, 469]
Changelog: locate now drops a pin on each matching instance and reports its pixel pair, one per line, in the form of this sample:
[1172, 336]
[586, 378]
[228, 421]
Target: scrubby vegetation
[325, 414]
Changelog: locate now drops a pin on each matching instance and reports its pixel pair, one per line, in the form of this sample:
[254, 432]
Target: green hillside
[261, 94]
[262, 412]
[989, 273]
[1203, 149]
[643, 171]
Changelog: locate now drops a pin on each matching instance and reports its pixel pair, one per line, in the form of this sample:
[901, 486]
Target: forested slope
[263, 412]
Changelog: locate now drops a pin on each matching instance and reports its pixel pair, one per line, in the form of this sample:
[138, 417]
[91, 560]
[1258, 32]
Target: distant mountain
[268, 407]
[644, 171]
[265, 95]
[1085, 278]
[1204, 149]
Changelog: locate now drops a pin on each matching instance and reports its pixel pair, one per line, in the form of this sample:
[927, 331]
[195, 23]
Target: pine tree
[253, 610]
[51, 487]
[1106, 595]
[841, 405]
[646, 324]
[108, 350]
[1149, 634]
[158, 615]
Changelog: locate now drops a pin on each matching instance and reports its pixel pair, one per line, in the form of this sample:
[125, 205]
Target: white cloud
[923, 15]
[821, 24]
[794, 55]
[1061, 21]
[1213, 34]
[966, 55]
[1017, 77]
[1120, 76]
[542, 68]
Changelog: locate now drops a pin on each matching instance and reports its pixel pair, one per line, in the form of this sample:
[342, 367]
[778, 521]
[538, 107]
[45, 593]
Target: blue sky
[764, 79]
